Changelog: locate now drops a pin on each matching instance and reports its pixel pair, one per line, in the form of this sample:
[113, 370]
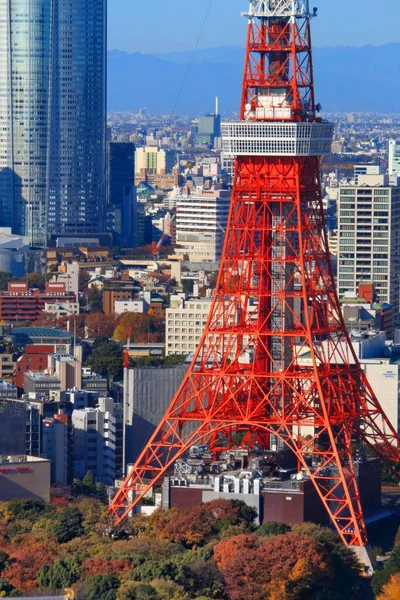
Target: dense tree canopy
[213, 551]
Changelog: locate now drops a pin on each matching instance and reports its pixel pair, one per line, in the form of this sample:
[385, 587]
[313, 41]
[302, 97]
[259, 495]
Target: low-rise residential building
[41, 385]
[92, 382]
[20, 303]
[130, 306]
[7, 365]
[62, 309]
[7, 390]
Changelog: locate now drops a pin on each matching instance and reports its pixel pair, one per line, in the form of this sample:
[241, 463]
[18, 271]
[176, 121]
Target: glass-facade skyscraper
[77, 117]
[24, 94]
[52, 116]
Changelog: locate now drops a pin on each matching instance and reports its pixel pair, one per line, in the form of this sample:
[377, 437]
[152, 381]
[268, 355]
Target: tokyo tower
[275, 360]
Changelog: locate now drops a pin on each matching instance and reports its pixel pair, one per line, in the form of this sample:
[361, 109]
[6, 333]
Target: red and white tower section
[275, 301]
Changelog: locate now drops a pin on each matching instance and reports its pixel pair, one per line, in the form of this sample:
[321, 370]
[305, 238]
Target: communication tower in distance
[275, 361]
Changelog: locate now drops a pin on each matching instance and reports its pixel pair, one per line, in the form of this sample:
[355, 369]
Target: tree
[98, 324]
[26, 560]
[187, 286]
[5, 279]
[106, 359]
[137, 591]
[392, 567]
[253, 566]
[102, 566]
[89, 484]
[169, 590]
[69, 525]
[272, 528]
[4, 558]
[241, 563]
[100, 586]
[60, 575]
[95, 301]
[29, 509]
[6, 588]
[190, 526]
[391, 591]
[36, 281]
[344, 561]
[139, 327]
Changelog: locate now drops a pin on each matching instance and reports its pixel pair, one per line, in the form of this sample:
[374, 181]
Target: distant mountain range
[347, 79]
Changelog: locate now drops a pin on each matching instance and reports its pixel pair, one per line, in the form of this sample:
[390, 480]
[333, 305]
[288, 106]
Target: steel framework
[275, 360]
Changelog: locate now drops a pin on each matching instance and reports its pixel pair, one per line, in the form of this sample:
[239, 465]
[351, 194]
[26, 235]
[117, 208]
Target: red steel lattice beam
[275, 357]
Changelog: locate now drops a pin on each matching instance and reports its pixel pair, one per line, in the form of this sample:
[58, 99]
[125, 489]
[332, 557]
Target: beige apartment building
[185, 322]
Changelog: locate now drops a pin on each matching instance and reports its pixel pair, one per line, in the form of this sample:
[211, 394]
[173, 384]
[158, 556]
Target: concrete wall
[148, 393]
[16, 482]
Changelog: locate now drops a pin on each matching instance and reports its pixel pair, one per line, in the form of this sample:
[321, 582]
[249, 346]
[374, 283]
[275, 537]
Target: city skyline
[176, 26]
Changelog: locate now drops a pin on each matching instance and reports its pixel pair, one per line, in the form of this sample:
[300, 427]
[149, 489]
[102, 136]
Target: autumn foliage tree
[26, 560]
[391, 591]
[139, 328]
[254, 566]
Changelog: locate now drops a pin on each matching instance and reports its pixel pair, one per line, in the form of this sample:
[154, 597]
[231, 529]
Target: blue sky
[174, 25]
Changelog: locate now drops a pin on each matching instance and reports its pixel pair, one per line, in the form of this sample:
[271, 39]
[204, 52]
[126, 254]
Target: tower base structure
[275, 365]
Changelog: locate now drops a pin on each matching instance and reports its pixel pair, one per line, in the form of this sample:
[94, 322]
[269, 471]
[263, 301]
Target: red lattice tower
[275, 358]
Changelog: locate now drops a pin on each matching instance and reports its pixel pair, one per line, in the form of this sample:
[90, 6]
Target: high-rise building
[24, 102]
[94, 443]
[12, 427]
[120, 192]
[57, 448]
[209, 128]
[369, 238]
[394, 157]
[52, 116]
[77, 109]
[201, 221]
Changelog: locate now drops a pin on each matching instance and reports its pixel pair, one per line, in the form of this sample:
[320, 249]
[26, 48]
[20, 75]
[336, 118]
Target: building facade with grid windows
[369, 239]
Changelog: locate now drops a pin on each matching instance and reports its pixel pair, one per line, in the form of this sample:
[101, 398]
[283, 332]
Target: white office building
[201, 222]
[94, 440]
[369, 238]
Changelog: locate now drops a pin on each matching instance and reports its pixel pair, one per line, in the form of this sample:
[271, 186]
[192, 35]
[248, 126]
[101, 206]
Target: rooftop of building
[5, 385]
[40, 376]
[32, 334]
[93, 376]
[144, 345]
[13, 459]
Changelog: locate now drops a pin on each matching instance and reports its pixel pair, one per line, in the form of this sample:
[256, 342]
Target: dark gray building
[12, 427]
[76, 203]
[148, 392]
[121, 192]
